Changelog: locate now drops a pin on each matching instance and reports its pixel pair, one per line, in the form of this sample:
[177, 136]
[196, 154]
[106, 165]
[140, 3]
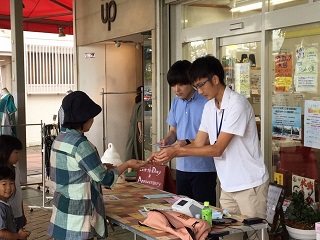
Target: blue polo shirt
[185, 116]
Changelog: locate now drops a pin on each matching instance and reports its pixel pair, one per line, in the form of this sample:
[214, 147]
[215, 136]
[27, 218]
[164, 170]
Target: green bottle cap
[206, 204]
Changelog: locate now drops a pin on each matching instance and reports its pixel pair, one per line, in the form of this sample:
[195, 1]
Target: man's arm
[171, 137]
[197, 148]
[6, 234]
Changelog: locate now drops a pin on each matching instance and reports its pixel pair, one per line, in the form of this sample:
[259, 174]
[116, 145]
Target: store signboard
[157, 176]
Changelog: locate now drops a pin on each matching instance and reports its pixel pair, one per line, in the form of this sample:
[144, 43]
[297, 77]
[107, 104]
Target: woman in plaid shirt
[77, 174]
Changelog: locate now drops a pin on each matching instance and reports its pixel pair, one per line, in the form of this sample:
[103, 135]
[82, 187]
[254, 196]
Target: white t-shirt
[241, 165]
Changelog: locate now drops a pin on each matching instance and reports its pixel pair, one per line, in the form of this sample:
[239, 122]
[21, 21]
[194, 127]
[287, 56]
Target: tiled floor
[36, 204]
[38, 217]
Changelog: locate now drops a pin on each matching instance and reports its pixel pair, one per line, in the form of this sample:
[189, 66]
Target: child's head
[9, 150]
[7, 187]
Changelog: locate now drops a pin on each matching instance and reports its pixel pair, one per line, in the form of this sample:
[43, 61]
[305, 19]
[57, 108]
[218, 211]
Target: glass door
[241, 59]
[296, 109]
[147, 96]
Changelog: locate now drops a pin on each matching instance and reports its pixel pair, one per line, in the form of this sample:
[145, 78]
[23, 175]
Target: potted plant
[301, 214]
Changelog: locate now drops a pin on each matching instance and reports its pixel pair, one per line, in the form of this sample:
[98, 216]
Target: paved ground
[37, 206]
[38, 215]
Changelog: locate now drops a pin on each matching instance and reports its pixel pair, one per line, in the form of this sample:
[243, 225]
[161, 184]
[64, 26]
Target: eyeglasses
[200, 85]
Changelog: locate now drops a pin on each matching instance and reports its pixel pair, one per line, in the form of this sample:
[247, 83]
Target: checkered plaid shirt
[76, 172]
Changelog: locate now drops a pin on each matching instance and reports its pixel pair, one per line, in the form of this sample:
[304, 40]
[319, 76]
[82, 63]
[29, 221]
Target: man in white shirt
[228, 133]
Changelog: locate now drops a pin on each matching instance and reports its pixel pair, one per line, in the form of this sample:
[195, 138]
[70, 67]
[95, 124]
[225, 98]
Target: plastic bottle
[207, 213]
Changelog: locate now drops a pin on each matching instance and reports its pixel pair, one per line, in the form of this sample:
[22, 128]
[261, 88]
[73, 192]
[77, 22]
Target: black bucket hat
[79, 107]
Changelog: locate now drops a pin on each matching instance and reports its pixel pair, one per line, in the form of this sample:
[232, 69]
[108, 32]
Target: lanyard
[218, 131]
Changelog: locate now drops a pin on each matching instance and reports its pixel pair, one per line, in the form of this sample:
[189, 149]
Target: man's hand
[166, 154]
[151, 158]
[162, 142]
[180, 143]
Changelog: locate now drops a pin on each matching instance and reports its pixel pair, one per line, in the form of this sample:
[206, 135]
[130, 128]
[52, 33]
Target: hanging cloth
[50, 132]
[7, 116]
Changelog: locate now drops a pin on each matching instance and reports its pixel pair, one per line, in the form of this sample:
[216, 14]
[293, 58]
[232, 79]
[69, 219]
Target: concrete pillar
[18, 84]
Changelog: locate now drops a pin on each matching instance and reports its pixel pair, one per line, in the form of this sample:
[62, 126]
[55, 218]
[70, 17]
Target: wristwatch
[187, 141]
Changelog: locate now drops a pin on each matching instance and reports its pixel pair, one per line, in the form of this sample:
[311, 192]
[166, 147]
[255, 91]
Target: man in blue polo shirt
[195, 176]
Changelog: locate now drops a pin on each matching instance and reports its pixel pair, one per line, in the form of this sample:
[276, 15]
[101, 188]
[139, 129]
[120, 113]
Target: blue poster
[286, 122]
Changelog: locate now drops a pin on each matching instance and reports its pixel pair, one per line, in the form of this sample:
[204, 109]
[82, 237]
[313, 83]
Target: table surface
[129, 199]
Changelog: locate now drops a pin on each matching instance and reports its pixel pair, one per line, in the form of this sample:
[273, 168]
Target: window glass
[296, 108]
[208, 11]
[280, 4]
[147, 96]
[193, 50]
[202, 12]
[242, 68]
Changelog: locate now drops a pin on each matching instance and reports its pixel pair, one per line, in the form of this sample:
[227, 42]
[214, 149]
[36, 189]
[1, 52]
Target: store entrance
[129, 86]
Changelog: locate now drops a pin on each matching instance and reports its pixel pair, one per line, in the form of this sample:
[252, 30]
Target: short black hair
[138, 97]
[8, 144]
[178, 73]
[7, 173]
[139, 89]
[206, 67]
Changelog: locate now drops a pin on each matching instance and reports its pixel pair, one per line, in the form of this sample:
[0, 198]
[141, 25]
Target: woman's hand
[132, 163]
[108, 165]
[135, 164]
[23, 234]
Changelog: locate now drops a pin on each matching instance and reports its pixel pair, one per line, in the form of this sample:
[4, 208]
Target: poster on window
[242, 78]
[283, 72]
[305, 185]
[306, 70]
[286, 122]
[312, 124]
[281, 99]
[255, 81]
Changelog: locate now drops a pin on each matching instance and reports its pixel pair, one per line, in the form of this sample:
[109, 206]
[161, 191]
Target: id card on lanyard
[218, 129]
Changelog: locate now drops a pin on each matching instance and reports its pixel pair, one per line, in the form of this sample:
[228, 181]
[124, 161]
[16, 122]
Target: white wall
[132, 17]
[115, 70]
[40, 107]
[91, 80]
[123, 68]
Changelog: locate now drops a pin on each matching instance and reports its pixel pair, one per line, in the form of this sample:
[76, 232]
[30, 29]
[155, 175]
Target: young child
[8, 229]
[10, 147]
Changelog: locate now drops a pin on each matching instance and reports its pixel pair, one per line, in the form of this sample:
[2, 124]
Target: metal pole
[105, 114]
[103, 123]
[142, 100]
